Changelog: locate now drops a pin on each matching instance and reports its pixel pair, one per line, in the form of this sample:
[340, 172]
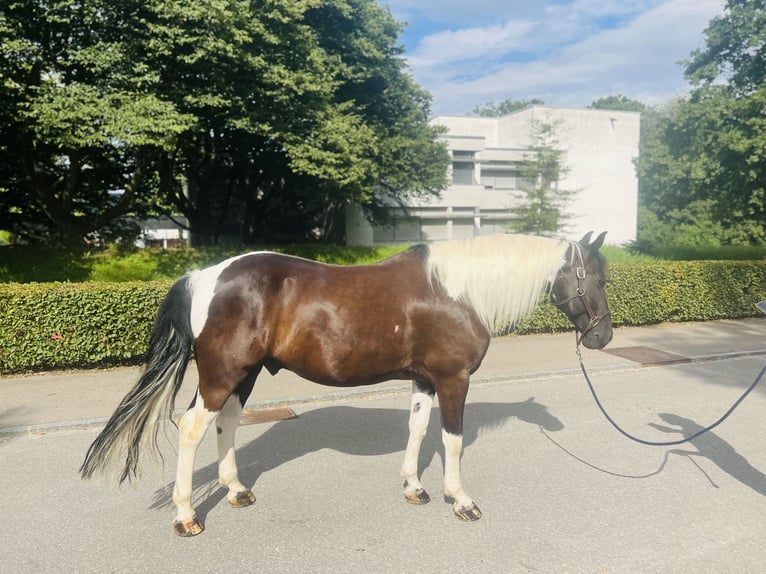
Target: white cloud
[565, 54]
[450, 13]
[470, 43]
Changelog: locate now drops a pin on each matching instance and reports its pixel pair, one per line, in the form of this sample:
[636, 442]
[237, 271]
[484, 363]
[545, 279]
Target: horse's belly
[349, 363]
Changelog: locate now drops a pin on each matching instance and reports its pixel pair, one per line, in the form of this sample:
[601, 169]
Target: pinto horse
[425, 314]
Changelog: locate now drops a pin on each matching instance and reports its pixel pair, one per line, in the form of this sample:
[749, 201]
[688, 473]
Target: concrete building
[600, 147]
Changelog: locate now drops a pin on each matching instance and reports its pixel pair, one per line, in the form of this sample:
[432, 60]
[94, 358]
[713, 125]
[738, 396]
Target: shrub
[68, 325]
[75, 325]
[653, 292]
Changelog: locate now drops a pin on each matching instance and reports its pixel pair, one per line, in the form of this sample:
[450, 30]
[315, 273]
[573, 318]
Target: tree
[507, 106]
[706, 154]
[735, 50]
[619, 103]
[542, 207]
[729, 74]
[79, 128]
[402, 157]
[262, 119]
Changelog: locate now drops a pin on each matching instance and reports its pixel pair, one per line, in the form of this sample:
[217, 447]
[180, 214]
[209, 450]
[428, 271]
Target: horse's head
[579, 291]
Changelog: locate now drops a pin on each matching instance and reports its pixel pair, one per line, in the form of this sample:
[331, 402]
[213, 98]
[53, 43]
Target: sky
[565, 52]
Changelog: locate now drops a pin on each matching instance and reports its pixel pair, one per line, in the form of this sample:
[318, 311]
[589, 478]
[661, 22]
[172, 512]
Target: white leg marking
[420, 413]
[191, 429]
[453, 487]
[228, 421]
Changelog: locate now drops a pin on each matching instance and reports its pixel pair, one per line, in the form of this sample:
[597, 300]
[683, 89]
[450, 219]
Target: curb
[365, 392]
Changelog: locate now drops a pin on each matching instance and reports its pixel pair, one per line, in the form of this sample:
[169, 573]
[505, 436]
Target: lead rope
[670, 442]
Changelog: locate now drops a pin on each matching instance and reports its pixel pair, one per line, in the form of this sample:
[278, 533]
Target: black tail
[136, 421]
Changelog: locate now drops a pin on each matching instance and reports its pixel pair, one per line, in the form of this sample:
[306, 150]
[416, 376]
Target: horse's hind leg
[420, 411]
[451, 404]
[191, 429]
[228, 421]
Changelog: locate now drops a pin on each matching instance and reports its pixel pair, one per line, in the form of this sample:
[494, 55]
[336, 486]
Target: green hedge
[76, 325]
[73, 325]
[671, 291]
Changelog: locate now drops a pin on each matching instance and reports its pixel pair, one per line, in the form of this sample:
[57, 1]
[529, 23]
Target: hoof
[468, 513]
[419, 496]
[187, 528]
[242, 499]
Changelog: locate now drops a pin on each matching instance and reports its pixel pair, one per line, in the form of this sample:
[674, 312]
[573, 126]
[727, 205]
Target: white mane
[500, 276]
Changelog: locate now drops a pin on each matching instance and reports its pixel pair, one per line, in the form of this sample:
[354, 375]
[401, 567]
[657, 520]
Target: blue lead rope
[761, 307]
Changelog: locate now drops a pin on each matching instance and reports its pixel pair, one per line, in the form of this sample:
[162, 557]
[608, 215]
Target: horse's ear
[586, 239]
[596, 245]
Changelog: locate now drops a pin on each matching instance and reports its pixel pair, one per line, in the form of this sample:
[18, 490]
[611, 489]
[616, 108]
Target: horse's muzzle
[598, 333]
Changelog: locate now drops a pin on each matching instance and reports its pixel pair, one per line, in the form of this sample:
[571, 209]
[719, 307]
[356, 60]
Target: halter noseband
[593, 318]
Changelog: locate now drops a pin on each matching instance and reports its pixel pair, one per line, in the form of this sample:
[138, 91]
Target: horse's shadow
[353, 431]
[712, 447]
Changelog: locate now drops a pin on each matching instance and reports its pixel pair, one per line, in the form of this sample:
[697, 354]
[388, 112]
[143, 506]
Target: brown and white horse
[425, 314]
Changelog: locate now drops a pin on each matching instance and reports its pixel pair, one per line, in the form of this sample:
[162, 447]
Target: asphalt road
[561, 491]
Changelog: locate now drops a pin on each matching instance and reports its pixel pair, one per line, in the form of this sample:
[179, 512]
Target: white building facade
[599, 147]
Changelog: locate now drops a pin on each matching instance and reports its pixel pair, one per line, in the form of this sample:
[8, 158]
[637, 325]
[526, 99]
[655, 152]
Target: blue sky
[565, 52]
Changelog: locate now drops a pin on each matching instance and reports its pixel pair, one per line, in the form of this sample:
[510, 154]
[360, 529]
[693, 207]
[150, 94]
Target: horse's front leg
[452, 396]
[420, 413]
[228, 421]
[191, 429]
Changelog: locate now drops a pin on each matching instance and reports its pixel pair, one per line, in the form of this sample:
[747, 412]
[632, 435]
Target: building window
[463, 168]
[500, 174]
[498, 178]
[462, 173]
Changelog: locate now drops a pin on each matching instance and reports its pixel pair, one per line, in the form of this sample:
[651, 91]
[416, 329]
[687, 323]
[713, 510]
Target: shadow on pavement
[353, 431]
[715, 449]
[709, 445]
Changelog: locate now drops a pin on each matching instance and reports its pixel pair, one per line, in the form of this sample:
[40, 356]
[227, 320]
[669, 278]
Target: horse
[425, 314]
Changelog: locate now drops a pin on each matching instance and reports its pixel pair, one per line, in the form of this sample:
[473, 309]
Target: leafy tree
[542, 207]
[710, 149]
[507, 106]
[399, 154]
[734, 51]
[691, 226]
[262, 118]
[618, 102]
[79, 126]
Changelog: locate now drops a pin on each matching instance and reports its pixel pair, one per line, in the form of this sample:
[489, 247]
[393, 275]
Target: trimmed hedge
[671, 291]
[75, 325]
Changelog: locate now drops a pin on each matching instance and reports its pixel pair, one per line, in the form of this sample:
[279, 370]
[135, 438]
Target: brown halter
[593, 318]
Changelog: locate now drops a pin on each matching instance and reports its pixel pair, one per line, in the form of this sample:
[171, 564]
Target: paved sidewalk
[68, 399]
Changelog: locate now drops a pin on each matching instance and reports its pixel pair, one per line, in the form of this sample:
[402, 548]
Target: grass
[32, 263]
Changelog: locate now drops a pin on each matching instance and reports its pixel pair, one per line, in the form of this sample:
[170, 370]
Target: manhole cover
[647, 355]
[251, 417]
